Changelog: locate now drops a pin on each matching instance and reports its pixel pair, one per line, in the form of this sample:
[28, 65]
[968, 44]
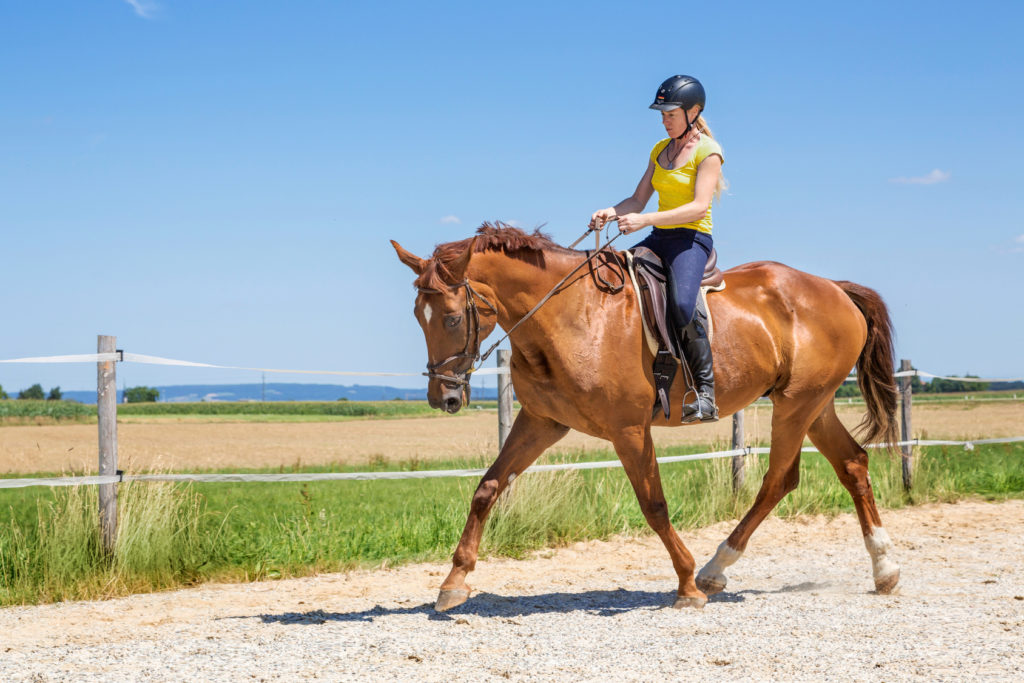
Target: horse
[580, 362]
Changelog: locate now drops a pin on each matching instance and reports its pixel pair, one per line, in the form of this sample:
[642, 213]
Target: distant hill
[283, 392]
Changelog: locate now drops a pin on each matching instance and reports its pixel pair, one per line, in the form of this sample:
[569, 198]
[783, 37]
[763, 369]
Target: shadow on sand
[601, 603]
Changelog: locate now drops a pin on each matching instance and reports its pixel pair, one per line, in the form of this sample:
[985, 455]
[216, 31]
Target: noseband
[471, 350]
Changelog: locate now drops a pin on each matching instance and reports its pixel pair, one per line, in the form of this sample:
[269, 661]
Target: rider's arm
[636, 202]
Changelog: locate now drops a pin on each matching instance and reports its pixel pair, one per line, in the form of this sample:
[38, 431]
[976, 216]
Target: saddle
[649, 277]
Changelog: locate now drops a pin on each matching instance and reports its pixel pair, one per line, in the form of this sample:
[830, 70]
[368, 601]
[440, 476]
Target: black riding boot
[697, 349]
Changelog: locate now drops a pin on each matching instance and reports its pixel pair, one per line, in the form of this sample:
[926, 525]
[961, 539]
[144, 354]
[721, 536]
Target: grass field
[174, 534]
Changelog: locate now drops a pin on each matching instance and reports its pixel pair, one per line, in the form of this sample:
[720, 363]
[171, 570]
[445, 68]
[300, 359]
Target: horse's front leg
[636, 451]
[529, 437]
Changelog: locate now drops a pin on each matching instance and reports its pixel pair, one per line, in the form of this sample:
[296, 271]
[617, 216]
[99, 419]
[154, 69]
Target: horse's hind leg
[790, 421]
[636, 451]
[851, 464]
[529, 437]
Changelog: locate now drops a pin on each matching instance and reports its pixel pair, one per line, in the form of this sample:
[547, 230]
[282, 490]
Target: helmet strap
[689, 124]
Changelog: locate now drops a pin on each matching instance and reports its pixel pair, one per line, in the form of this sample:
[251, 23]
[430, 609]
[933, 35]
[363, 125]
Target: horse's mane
[497, 236]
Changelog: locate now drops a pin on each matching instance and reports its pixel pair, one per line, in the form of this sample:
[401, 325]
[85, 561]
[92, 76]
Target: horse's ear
[458, 267]
[410, 259]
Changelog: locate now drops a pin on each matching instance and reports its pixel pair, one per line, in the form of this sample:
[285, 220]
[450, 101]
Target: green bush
[141, 394]
[33, 393]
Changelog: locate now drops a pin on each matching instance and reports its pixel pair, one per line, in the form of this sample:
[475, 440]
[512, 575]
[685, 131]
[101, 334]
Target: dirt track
[799, 607]
[188, 444]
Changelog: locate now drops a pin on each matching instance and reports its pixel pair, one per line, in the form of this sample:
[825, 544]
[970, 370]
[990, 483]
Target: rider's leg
[687, 270]
[697, 348]
[685, 253]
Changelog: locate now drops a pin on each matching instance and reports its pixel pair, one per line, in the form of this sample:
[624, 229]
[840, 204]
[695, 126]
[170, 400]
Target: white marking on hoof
[427, 313]
[711, 579]
[886, 572]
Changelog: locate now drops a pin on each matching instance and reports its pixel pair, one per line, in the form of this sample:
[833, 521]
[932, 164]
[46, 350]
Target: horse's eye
[452, 320]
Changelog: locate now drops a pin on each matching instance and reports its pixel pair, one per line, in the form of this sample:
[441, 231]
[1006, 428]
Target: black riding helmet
[680, 91]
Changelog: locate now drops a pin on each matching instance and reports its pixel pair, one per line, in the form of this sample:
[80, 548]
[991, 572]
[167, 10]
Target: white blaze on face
[878, 544]
[427, 312]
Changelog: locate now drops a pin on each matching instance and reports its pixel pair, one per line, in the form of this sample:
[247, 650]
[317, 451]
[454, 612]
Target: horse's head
[455, 318]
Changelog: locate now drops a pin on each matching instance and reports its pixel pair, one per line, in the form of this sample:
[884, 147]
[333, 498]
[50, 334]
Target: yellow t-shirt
[675, 187]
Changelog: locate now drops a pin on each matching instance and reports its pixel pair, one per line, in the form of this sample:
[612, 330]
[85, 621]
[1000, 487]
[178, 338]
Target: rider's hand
[632, 222]
[599, 218]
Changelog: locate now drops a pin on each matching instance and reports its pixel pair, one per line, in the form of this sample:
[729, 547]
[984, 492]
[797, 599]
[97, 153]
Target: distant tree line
[35, 393]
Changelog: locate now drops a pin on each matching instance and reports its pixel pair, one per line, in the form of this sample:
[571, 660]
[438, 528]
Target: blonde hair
[705, 129]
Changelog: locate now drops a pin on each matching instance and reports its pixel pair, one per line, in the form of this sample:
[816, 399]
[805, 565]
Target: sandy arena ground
[799, 607]
[190, 443]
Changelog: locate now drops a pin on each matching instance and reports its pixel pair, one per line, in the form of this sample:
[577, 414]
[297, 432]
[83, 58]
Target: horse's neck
[519, 284]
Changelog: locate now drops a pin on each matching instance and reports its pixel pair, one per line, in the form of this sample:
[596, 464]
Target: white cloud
[936, 176]
[1018, 245]
[144, 8]
[450, 218]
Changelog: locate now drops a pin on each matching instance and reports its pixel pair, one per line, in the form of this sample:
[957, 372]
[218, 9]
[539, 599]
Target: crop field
[258, 442]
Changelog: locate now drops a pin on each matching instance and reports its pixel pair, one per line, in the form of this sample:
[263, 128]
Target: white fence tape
[157, 360]
[77, 358]
[432, 474]
[922, 373]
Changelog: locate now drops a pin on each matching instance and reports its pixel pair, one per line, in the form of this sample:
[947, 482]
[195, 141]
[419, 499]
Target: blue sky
[218, 181]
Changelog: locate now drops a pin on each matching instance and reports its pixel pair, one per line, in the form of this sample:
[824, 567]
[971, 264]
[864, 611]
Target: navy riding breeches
[684, 252]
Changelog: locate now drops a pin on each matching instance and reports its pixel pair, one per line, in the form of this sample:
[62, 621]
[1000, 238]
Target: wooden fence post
[106, 409]
[906, 429]
[505, 398]
[738, 461]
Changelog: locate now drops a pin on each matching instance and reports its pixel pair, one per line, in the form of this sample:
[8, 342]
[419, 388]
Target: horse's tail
[875, 366]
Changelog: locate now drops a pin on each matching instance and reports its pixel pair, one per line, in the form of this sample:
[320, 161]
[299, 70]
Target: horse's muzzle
[446, 398]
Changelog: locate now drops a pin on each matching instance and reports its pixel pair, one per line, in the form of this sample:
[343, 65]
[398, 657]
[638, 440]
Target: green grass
[175, 535]
[14, 411]
[52, 410]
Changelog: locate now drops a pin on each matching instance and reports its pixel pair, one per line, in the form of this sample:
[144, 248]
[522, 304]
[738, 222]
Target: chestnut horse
[581, 362]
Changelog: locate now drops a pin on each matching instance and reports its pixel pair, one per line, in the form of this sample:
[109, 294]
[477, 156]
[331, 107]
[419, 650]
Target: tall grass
[174, 534]
[58, 555]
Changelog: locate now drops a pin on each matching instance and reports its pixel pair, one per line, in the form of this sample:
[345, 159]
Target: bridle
[471, 349]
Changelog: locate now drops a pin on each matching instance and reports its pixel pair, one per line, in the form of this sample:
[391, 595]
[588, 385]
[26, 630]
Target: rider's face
[675, 120]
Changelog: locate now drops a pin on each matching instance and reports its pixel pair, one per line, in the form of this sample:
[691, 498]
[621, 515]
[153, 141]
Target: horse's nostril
[452, 404]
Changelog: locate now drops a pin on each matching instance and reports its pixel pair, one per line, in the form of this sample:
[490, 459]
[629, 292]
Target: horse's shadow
[603, 603]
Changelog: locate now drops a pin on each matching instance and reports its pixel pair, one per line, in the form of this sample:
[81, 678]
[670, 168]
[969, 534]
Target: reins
[472, 348]
[554, 290]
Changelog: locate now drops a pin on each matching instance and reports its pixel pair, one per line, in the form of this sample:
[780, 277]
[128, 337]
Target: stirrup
[701, 410]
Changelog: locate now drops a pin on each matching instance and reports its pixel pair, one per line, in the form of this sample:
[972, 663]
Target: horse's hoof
[711, 584]
[450, 598]
[887, 584]
[684, 602]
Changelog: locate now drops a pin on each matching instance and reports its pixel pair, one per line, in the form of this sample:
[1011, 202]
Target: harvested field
[799, 607]
[194, 443]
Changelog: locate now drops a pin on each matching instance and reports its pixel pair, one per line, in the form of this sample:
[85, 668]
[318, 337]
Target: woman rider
[686, 170]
